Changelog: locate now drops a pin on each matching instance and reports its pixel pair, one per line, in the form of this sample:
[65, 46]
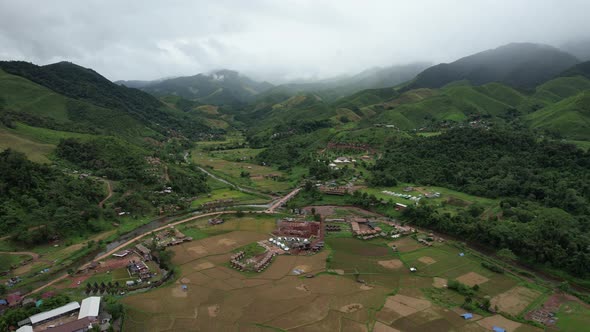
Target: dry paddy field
[369, 289]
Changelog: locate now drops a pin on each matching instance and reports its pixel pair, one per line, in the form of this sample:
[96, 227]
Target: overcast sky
[278, 39]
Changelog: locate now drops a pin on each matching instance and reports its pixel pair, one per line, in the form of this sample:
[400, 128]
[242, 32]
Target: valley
[452, 197]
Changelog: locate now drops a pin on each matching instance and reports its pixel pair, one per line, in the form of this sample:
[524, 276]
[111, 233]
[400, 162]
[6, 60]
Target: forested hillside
[544, 188]
[44, 199]
[521, 65]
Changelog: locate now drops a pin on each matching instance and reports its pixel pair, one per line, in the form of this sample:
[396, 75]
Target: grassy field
[34, 150]
[573, 316]
[239, 197]
[6, 261]
[234, 164]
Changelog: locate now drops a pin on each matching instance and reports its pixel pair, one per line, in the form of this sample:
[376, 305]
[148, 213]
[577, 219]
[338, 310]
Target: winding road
[271, 210]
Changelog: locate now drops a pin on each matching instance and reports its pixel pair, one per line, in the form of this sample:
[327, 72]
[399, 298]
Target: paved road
[282, 201]
[123, 245]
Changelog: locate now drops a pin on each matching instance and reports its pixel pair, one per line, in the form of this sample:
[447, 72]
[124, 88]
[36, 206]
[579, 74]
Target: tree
[2, 289]
[506, 255]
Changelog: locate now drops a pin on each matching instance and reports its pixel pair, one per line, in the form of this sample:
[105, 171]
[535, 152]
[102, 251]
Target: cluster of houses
[139, 269]
[72, 317]
[338, 190]
[333, 228]
[264, 262]
[216, 221]
[298, 228]
[341, 160]
[365, 229]
[171, 237]
[257, 264]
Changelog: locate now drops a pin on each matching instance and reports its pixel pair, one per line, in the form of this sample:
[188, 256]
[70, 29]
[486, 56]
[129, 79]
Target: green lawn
[573, 316]
[228, 193]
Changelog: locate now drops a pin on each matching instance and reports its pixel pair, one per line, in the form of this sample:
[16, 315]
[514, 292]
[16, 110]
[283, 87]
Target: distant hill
[222, 87]
[581, 69]
[521, 65]
[580, 48]
[339, 87]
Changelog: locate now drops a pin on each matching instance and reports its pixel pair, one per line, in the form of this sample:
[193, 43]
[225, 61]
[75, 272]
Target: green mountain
[522, 65]
[568, 118]
[222, 87]
[84, 90]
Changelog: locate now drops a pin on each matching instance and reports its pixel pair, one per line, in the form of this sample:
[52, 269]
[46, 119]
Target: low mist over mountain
[373, 78]
[522, 65]
[219, 87]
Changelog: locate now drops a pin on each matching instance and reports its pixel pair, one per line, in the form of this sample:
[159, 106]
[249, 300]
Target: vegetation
[38, 196]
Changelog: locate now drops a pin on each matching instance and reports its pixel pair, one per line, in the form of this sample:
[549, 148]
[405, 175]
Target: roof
[26, 328]
[90, 306]
[76, 325]
[54, 313]
[498, 329]
[467, 315]
[2, 301]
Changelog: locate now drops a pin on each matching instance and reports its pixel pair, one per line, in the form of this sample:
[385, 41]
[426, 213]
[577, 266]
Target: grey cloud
[277, 40]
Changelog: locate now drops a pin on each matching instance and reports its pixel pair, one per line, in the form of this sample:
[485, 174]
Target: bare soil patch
[198, 250]
[365, 287]
[203, 266]
[499, 321]
[177, 292]
[302, 287]
[351, 307]
[471, 279]
[391, 264]
[213, 310]
[226, 242]
[380, 327]
[302, 268]
[337, 271]
[185, 280]
[405, 305]
[427, 260]
[439, 282]
[515, 300]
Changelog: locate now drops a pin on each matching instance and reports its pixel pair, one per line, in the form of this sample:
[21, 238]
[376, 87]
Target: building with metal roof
[54, 313]
[90, 307]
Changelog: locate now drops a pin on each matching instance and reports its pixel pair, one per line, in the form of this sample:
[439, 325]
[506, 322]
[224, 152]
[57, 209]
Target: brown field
[380, 327]
[391, 264]
[439, 282]
[515, 300]
[427, 260]
[219, 298]
[499, 321]
[471, 279]
[405, 305]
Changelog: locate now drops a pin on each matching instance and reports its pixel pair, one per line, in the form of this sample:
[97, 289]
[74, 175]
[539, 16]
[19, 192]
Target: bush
[492, 267]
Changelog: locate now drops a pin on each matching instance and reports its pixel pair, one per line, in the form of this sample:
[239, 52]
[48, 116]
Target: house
[50, 315]
[467, 315]
[121, 254]
[143, 251]
[80, 325]
[26, 328]
[498, 329]
[341, 160]
[28, 301]
[90, 307]
[139, 268]
[400, 206]
[14, 299]
[413, 269]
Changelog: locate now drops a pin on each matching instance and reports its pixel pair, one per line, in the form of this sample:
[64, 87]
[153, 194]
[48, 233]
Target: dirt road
[110, 188]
